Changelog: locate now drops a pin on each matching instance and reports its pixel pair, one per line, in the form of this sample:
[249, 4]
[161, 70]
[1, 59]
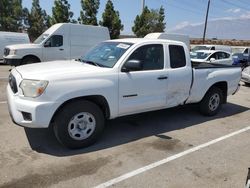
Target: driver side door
[55, 49]
[145, 89]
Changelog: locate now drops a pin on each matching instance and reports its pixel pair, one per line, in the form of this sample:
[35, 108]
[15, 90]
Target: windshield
[196, 48]
[199, 55]
[106, 54]
[237, 50]
[41, 38]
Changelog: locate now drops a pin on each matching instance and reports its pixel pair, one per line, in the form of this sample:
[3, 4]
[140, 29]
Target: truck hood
[23, 46]
[55, 70]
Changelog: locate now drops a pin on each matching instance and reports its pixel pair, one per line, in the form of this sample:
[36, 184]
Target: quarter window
[177, 56]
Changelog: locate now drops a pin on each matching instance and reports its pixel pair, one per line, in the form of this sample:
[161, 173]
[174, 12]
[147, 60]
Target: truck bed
[206, 74]
[202, 65]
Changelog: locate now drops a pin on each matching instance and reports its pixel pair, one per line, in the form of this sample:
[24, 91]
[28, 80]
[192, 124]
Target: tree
[149, 21]
[36, 20]
[61, 12]
[161, 25]
[10, 15]
[111, 20]
[89, 12]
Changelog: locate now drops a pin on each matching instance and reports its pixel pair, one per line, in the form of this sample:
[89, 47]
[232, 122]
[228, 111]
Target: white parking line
[168, 159]
[3, 102]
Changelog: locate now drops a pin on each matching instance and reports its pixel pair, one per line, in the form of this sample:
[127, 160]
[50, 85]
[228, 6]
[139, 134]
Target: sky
[179, 13]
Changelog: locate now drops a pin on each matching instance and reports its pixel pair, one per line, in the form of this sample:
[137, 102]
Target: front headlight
[33, 88]
[13, 52]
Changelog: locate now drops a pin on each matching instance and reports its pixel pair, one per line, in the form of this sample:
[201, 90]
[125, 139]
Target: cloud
[231, 10]
[181, 25]
[245, 15]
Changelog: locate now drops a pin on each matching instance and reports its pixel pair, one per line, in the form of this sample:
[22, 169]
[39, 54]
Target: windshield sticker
[124, 46]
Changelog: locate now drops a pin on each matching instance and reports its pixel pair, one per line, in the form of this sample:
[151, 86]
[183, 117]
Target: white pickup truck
[116, 78]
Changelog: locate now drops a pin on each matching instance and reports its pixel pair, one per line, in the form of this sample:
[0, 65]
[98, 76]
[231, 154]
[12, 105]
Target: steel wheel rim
[214, 102]
[81, 126]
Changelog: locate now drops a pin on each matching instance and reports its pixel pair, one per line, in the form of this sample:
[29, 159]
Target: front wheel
[79, 124]
[211, 103]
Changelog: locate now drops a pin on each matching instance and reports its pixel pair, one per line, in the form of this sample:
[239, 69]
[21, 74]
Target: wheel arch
[223, 86]
[31, 56]
[99, 100]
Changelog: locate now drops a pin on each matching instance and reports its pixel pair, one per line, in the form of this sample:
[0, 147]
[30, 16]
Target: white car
[212, 56]
[116, 78]
[212, 47]
[245, 77]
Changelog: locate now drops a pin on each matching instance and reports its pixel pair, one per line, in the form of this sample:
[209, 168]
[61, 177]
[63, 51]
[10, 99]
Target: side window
[54, 41]
[213, 48]
[221, 55]
[226, 55]
[177, 56]
[151, 56]
[246, 51]
[216, 56]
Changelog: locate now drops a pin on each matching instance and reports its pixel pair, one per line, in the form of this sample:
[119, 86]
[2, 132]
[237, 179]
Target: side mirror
[132, 65]
[212, 59]
[47, 43]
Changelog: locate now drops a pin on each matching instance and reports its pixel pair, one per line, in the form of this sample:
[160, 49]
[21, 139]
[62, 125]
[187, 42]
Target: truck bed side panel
[206, 77]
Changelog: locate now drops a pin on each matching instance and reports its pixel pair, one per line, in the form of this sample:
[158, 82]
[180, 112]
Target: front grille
[6, 51]
[12, 82]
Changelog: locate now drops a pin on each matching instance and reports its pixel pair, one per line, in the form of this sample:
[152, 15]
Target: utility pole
[142, 5]
[205, 28]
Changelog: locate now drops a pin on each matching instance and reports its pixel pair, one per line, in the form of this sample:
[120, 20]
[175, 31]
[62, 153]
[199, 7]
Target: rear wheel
[211, 103]
[29, 60]
[79, 124]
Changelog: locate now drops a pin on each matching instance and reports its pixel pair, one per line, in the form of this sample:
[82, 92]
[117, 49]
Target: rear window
[177, 56]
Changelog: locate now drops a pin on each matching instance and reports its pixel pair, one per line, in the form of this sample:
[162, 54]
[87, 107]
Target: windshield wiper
[91, 63]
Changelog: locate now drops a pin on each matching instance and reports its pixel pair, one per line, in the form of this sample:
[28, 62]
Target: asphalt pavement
[174, 148]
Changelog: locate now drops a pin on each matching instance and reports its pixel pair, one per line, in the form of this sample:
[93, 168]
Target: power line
[224, 1]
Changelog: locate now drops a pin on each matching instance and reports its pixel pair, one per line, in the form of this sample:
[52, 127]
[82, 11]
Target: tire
[211, 103]
[79, 124]
[247, 84]
[29, 60]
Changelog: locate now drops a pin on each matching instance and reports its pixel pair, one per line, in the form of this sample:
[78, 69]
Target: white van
[212, 47]
[170, 36]
[8, 38]
[61, 41]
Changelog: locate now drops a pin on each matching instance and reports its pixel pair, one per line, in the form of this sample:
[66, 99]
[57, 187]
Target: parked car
[241, 56]
[212, 47]
[8, 38]
[246, 76]
[212, 56]
[60, 42]
[116, 78]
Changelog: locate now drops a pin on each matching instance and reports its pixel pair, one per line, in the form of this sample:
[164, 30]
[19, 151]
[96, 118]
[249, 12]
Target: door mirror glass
[132, 65]
[47, 43]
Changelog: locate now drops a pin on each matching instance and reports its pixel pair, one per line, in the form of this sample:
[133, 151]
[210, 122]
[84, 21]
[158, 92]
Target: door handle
[162, 78]
[61, 49]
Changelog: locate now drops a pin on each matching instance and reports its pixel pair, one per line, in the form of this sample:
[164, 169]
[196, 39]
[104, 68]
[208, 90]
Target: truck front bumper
[12, 62]
[28, 113]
